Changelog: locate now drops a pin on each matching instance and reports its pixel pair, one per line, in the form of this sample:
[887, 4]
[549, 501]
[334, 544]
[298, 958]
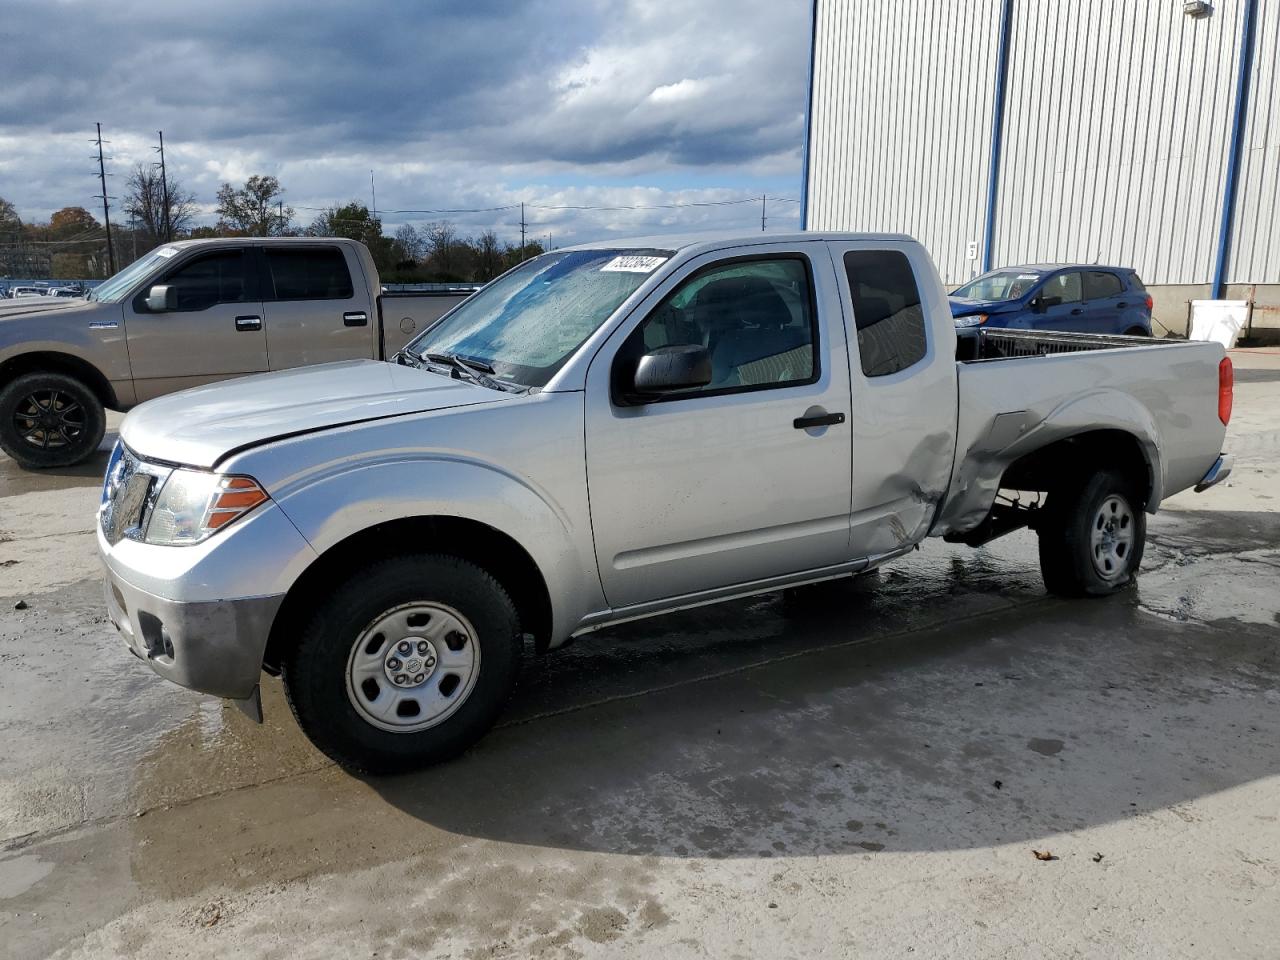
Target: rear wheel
[1092, 535]
[50, 420]
[407, 664]
[1136, 332]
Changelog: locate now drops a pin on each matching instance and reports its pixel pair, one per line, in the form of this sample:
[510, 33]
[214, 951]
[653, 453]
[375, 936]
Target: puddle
[21, 873]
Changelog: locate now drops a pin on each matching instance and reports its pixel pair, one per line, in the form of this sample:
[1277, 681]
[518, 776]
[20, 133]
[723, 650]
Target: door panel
[1102, 295]
[718, 486]
[216, 331]
[1067, 314]
[313, 312]
[904, 392]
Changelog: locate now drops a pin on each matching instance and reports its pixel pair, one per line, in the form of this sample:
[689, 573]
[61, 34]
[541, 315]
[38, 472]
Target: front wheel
[406, 664]
[1092, 535]
[50, 420]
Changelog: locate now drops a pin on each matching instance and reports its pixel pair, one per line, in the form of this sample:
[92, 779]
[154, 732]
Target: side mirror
[667, 369]
[161, 299]
[1041, 304]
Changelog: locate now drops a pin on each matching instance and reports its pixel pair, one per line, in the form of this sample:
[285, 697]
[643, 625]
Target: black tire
[1136, 332]
[50, 420]
[1103, 505]
[315, 668]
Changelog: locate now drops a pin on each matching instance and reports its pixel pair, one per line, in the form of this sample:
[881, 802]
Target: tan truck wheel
[50, 420]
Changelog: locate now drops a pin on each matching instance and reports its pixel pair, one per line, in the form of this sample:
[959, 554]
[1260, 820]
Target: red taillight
[1226, 383]
[1150, 302]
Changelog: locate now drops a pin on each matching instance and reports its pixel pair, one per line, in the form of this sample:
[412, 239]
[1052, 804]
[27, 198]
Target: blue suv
[1082, 298]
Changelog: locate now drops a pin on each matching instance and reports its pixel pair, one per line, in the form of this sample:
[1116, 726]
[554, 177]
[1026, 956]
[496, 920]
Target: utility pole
[762, 199]
[522, 228]
[164, 186]
[106, 214]
[548, 241]
[133, 233]
[373, 193]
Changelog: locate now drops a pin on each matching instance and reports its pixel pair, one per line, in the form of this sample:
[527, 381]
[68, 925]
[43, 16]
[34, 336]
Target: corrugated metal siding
[901, 121]
[1116, 135]
[1255, 239]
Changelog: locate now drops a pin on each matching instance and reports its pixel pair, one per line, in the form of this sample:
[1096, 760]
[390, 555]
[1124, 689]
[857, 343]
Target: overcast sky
[467, 104]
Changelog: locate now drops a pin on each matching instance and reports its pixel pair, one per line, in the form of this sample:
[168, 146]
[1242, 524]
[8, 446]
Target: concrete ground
[864, 772]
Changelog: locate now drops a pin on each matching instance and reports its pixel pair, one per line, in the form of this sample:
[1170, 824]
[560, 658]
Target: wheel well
[484, 546]
[49, 361]
[1061, 461]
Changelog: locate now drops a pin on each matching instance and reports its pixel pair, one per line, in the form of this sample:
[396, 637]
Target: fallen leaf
[1097, 858]
[1044, 855]
[997, 784]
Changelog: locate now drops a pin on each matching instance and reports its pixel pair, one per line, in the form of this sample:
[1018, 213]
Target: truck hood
[200, 427]
[963, 306]
[25, 306]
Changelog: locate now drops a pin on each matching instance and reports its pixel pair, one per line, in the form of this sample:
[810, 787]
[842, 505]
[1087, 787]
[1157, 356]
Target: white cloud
[453, 106]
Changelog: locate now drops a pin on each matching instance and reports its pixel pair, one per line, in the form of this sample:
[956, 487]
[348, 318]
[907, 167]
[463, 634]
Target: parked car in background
[1077, 298]
[614, 431]
[65, 292]
[187, 314]
[17, 293]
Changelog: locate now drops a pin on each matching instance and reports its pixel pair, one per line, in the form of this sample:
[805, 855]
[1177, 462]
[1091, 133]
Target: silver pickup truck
[611, 432]
[185, 314]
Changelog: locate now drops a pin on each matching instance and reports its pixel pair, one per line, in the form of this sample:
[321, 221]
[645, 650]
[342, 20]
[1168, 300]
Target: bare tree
[441, 238]
[145, 204]
[412, 242]
[488, 256]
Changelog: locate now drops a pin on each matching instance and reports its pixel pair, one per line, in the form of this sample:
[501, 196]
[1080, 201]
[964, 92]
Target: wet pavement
[861, 768]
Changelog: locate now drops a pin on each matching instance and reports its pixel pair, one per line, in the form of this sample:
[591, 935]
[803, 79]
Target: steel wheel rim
[49, 419]
[413, 667]
[1111, 537]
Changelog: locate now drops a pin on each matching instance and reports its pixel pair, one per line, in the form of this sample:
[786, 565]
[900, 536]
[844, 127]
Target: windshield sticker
[166, 252]
[1028, 276]
[633, 264]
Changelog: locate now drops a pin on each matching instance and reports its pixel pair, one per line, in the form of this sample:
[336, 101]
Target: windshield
[114, 289]
[999, 285]
[526, 324]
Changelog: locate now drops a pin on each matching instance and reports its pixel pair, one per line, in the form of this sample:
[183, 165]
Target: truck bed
[1023, 389]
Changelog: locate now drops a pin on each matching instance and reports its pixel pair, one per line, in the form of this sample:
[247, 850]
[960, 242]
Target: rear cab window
[307, 273]
[892, 332]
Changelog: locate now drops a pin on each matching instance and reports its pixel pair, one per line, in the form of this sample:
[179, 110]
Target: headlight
[192, 505]
[973, 320]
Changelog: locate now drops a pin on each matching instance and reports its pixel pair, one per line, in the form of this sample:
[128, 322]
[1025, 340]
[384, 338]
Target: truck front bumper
[212, 646]
[201, 615]
[1220, 470]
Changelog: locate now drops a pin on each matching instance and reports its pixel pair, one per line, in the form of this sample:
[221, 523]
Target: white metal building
[1143, 133]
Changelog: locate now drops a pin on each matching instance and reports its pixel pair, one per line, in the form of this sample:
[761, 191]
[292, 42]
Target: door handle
[1076, 311]
[1122, 304]
[356, 319]
[820, 420]
[244, 324]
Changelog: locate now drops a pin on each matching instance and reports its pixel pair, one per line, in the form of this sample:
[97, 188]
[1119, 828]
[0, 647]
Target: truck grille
[128, 494]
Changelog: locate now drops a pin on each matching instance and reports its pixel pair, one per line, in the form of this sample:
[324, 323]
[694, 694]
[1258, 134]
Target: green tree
[354, 221]
[254, 210]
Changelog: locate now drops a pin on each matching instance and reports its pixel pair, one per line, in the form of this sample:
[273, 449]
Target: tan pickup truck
[186, 314]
